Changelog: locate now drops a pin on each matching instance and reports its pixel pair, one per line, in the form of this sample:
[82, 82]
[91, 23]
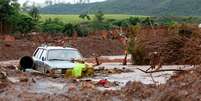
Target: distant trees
[81, 1]
[12, 20]
[53, 2]
[34, 13]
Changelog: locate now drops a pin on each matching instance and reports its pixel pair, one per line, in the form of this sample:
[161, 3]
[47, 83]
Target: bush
[135, 47]
[100, 25]
[82, 32]
[148, 22]
[53, 26]
[69, 29]
[138, 55]
[167, 21]
[122, 23]
[134, 20]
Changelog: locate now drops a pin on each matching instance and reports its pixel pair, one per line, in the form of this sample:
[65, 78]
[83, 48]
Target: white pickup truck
[51, 59]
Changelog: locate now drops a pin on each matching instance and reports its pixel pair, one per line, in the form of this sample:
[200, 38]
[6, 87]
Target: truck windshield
[63, 54]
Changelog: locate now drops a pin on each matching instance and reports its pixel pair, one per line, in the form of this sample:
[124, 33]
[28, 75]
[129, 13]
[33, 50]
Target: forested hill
[137, 7]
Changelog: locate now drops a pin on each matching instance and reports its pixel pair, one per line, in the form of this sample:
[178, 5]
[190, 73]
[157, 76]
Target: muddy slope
[21, 46]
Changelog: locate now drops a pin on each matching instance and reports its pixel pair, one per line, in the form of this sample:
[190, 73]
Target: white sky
[42, 1]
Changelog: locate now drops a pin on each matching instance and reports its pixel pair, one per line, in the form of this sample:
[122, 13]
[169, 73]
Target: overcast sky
[42, 1]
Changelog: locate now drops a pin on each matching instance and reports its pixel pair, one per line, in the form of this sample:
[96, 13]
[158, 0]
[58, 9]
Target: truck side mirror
[43, 59]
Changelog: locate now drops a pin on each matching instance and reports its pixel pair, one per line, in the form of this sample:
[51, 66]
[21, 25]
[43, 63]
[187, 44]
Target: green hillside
[137, 7]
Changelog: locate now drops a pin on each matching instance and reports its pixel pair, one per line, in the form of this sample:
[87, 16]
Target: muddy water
[55, 86]
[137, 75]
[8, 63]
[49, 87]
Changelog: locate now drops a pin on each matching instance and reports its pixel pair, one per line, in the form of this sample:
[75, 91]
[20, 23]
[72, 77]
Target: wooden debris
[162, 70]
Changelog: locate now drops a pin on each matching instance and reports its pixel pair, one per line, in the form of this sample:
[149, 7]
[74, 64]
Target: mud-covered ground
[33, 86]
[112, 82]
[14, 47]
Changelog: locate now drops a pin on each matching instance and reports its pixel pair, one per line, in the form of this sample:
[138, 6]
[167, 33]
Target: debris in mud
[103, 82]
[24, 79]
[87, 85]
[103, 71]
[161, 70]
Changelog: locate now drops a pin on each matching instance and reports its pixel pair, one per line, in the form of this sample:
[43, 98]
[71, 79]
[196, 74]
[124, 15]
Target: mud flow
[112, 82]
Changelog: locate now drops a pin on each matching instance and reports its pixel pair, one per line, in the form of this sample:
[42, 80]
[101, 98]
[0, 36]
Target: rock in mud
[24, 79]
[3, 75]
[87, 85]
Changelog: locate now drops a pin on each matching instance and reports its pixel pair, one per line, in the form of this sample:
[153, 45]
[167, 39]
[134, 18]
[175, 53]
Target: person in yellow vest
[80, 69]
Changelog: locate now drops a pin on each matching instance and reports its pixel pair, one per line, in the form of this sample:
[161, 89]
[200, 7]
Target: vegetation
[13, 20]
[178, 44]
[9, 9]
[136, 7]
[75, 18]
[135, 47]
[53, 26]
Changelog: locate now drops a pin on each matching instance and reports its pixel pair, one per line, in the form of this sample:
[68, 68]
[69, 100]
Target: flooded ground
[34, 86]
[123, 78]
[137, 75]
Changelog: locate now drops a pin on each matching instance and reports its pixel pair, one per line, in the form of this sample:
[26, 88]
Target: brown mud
[33, 86]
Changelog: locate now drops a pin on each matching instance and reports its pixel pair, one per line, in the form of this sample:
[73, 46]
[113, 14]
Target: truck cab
[55, 59]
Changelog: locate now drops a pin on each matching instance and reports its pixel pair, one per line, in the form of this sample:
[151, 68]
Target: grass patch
[75, 18]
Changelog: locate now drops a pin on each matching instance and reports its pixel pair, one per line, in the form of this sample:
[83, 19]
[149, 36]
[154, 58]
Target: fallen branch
[162, 70]
[155, 82]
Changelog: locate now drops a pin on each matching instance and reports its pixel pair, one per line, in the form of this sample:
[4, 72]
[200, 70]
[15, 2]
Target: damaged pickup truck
[51, 59]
